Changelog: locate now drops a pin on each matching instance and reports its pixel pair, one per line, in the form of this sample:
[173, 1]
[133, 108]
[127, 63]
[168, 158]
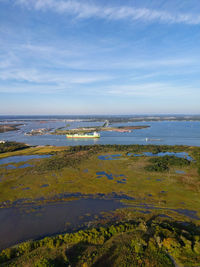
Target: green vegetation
[75, 155]
[141, 242]
[11, 146]
[161, 164]
[33, 150]
[68, 158]
[125, 241]
[65, 173]
[196, 155]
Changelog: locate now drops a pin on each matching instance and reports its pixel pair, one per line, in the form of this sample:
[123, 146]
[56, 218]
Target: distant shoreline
[9, 127]
[95, 118]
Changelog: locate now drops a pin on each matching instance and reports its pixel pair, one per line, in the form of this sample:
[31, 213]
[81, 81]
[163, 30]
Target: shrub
[44, 263]
[161, 164]
[11, 146]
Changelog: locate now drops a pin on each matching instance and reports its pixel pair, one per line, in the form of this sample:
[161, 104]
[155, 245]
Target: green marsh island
[151, 194]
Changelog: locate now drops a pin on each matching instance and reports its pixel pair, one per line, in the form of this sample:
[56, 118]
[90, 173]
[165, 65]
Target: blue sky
[99, 57]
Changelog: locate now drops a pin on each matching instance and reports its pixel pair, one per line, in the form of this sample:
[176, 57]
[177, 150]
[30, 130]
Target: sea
[159, 132]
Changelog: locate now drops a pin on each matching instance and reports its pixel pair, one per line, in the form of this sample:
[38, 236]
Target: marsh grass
[64, 173]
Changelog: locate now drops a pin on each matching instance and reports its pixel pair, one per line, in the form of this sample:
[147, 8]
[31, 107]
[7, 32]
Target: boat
[86, 135]
[152, 139]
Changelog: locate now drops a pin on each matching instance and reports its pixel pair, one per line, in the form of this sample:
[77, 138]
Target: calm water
[161, 132]
[33, 222]
[20, 224]
[16, 159]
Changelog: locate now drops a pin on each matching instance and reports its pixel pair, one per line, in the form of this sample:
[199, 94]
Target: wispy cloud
[44, 77]
[137, 63]
[62, 73]
[53, 57]
[149, 90]
[84, 10]
[85, 59]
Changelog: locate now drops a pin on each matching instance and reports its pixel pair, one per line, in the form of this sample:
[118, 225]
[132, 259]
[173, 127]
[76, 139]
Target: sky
[99, 57]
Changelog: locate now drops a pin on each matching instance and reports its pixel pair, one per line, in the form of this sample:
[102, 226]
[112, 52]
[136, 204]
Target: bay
[159, 132]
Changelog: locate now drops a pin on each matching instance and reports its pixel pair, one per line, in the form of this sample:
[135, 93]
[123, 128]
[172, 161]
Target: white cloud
[86, 10]
[149, 64]
[85, 59]
[149, 90]
[57, 75]
[35, 76]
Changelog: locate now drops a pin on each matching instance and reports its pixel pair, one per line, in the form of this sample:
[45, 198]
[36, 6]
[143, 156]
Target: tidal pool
[180, 172]
[111, 176]
[109, 157]
[25, 165]
[102, 174]
[121, 182]
[10, 167]
[44, 185]
[16, 159]
[26, 188]
[32, 222]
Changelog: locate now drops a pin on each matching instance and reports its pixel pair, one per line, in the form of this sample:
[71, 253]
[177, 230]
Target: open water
[159, 132]
[32, 222]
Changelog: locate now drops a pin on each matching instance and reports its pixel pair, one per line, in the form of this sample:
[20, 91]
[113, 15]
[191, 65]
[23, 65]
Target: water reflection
[31, 222]
[16, 159]
[165, 132]
[109, 157]
[180, 172]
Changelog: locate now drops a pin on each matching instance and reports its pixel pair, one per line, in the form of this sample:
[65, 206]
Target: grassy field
[33, 151]
[69, 171]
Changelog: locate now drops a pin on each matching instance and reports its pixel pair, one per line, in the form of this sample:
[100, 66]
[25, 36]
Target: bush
[11, 146]
[44, 263]
[161, 164]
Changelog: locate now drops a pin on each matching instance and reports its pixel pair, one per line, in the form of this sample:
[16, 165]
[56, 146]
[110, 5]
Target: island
[83, 130]
[9, 127]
